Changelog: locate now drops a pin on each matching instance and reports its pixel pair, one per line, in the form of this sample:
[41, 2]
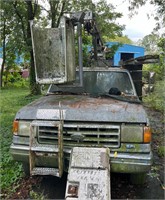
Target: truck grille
[81, 134]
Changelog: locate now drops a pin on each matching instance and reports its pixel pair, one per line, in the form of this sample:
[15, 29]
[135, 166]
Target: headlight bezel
[135, 133]
[21, 127]
[132, 133]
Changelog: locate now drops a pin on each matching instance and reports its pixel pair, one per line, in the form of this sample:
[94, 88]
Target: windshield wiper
[61, 92]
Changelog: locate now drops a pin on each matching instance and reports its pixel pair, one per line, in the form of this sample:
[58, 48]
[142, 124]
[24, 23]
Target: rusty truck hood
[82, 108]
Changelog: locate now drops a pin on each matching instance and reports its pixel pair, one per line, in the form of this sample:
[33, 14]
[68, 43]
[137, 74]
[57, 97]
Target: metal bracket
[34, 148]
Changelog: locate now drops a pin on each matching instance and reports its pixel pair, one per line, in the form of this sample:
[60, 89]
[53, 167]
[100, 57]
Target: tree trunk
[1, 73]
[4, 53]
[53, 8]
[61, 13]
[34, 87]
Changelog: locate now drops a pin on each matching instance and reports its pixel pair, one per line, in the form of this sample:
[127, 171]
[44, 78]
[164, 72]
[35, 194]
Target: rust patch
[88, 102]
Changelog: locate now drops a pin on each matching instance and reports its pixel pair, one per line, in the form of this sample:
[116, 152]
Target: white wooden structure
[89, 174]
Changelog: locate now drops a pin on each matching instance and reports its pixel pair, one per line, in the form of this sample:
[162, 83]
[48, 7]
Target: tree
[160, 17]
[161, 45]
[159, 6]
[150, 43]
[122, 39]
[19, 36]
[105, 16]
[7, 41]
[30, 12]
[154, 44]
[56, 11]
[104, 13]
[4, 35]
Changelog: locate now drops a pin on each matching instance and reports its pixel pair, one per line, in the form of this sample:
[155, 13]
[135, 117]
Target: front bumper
[120, 162]
[131, 163]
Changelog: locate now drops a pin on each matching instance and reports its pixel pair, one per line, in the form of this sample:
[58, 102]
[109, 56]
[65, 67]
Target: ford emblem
[77, 137]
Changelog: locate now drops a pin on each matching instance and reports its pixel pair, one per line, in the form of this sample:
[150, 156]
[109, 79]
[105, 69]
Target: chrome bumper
[119, 162]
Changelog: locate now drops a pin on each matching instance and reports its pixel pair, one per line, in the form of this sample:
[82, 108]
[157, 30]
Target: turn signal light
[147, 134]
[15, 127]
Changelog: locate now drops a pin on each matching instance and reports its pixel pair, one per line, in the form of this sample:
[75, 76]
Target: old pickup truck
[104, 112]
[94, 107]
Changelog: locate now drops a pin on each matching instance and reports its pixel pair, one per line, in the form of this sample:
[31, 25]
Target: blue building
[18, 60]
[125, 52]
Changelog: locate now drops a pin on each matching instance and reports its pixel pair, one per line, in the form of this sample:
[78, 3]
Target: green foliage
[161, 151]
[161, 44]
[105, 13]
[15, 30]
[154, 44]
[12, 99]
[159, 8]
[111, 51]
[56, 11]
[86, 41]
[157, 68]
[121, 39]
[150, 43]
[12, 31]
[34, 195]
[156, 99]
[106, 16]
[14, 80]
[154, 172]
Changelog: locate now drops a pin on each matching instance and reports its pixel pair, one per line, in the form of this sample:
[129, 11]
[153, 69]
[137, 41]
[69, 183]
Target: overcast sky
[139, 25]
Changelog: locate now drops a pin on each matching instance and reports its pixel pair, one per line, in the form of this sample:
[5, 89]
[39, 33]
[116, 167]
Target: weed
[12, 99]
[154, 173]
[161, 151]
[35, 195]
[15, 80]
[156, 99]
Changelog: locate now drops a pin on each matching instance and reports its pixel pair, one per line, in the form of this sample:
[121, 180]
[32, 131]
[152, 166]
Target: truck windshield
[100, 82]
[104, 82]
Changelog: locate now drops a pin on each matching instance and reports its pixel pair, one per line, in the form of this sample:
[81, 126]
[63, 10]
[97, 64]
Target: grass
[11, 100]
[161, 151]
[156, 99]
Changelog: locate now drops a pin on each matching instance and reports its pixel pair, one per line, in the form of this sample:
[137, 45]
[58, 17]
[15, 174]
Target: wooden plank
[141, 60]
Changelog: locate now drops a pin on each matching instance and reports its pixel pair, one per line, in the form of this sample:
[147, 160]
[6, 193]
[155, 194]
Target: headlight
[21, 128]
[132, 133]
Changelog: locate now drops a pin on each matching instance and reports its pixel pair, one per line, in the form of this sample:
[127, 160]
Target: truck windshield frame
[100, 82]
